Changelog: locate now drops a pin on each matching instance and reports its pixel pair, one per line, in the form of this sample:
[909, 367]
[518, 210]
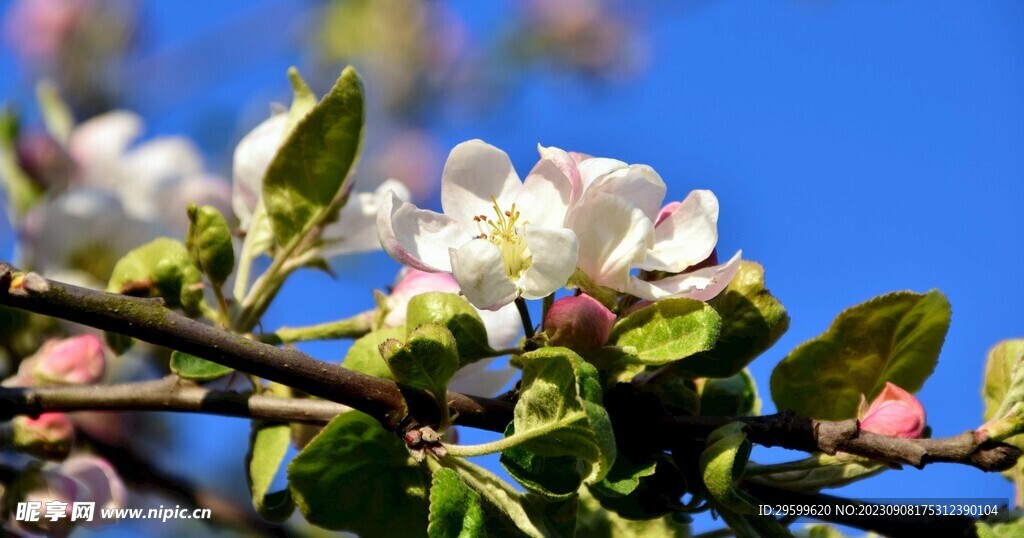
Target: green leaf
[268, 445]
[358, 477]
[644, 494]
[814, 473]
[668, 330]
[1014, 528]
[530, 516]
[364, 354]
[56, 113]
[596, 522]
[820, 530]
[426, 361]
[624, 477]
[303, 99]
[191, 367]
[160, 268]
[752, 526]
[310, 171]
[895, 337]
[752, 321]
[1004, 380]
[731, 396]
[455, 508]
[209, 243]
[722, 464]
[457, 315]
[559, 424]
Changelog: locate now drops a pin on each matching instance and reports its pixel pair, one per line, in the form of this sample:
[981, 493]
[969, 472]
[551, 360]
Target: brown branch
[167, 394]
[149, 321]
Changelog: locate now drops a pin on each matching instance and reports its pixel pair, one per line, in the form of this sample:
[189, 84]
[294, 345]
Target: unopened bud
[49, 436]
[44, 161]
[412, 283]
[894, 412]
[580, 323]
[79, 360]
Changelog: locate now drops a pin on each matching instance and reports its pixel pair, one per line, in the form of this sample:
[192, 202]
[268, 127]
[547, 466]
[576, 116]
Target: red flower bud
[894, 412]
[49, 436]
[580, 323]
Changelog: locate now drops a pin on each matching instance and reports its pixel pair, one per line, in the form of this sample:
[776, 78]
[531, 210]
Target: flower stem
[546, 305]
[524, 314]
[353, 327]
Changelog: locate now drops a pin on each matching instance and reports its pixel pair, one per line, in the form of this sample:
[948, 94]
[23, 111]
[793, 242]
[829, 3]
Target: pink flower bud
[49, 436]
[79, 360]
[412, 283]
[580, 323]
[894, 412]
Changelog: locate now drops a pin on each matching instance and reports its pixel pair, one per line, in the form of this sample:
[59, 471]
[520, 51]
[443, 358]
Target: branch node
[832, 435]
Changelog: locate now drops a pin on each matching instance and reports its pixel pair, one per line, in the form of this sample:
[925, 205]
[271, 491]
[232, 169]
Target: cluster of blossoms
[587, 222]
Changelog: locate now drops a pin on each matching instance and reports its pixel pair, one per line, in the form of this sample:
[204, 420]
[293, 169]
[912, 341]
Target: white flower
[353, 232]
[500, 237]
[622, 229]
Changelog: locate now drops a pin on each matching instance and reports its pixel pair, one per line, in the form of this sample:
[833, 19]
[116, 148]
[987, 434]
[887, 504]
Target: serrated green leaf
[310, 171]
[191, 367]
[1004, 381]
[731, 396]
[624, 477]
[268, 445]
[528, 514]
[814, 473]
[160, 268]
[668, 330]
[209, 243]
[559, 420]
[455, 508]
[596, 522]
[457, 315]
[722, 464]
[426, 361]
[364, 354]
[654, 495]
[895, 337]
[752, 321]
[358, 477]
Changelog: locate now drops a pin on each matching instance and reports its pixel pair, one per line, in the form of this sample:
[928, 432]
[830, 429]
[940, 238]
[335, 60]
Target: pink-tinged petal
[553, 252]
[411, 283]
[580, 323]
[595, 167]
[356, 228]
[638, 183]
[479, 269]
[613, 235]
[579, 157]
[895, 412]
[666, 211]
[251, 159]
[702, 284]
[102, 484]
[415, 237]
[474, 173]
[549, 190]
[687, 236]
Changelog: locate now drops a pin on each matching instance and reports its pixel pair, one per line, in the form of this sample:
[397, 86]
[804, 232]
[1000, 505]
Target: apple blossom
[355, 229]
[622, 228]
[500, 237]
[894, 412]
[49, 436]
[79, 360]
[580, 323]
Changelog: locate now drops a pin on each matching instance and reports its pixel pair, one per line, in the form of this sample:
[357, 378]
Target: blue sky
[856, 149]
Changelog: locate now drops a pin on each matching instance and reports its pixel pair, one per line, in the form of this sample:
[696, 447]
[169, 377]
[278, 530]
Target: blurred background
[856, 149]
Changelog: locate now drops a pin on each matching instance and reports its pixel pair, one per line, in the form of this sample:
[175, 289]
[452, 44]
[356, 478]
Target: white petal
[637, 183]
[613, 235]
[417, 238]
[356, 227]
[103, 138]
[549, 190]
[474, 173]
[702, 284]
[252, 157]
[152, 165]
[477, 380]
[595, 167]
[503, 326]
[687, 236]
[553, 252]
[480, 271]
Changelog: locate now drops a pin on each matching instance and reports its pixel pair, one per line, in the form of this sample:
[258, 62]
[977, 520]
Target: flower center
[501, 231]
